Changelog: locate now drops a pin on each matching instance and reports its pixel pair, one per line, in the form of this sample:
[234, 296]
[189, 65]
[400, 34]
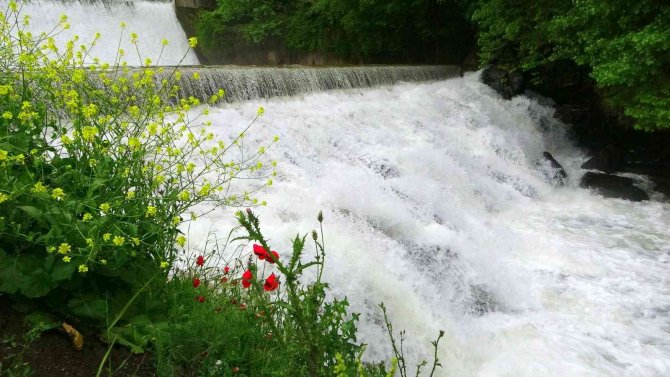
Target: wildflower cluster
[99, 165]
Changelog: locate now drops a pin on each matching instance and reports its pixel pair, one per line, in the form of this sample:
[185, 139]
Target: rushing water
[436, 205]
[153, 21]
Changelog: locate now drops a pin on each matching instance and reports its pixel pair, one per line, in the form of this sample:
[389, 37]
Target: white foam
[153, 21]
[579, 282]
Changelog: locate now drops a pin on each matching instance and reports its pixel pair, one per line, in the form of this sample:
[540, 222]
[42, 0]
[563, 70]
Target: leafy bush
[625, 46]
[98, 163]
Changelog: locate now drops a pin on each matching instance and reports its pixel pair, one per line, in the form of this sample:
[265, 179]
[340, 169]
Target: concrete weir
[246, 83]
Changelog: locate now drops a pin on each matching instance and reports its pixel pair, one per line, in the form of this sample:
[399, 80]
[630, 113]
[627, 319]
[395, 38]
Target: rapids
[435, 204]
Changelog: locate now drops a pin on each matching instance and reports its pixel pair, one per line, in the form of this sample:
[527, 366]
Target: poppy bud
[315, 236]
[320, 216]
[249, 211]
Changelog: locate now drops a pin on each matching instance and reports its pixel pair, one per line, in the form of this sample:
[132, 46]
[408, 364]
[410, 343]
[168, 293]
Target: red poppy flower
[272, 257]
[246, 278]
[226, 270]
[271, 283]
[260, 251]
[200, 261]
[200, 299]
[196, 282]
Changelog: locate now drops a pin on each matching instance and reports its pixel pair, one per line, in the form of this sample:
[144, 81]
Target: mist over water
[153, 21]
[435, 204]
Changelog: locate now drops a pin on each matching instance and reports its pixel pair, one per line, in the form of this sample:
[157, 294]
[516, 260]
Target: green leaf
[89, 307]
[62, 271]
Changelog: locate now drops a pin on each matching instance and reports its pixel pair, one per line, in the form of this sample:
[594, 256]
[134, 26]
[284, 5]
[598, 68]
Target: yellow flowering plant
[100, 163]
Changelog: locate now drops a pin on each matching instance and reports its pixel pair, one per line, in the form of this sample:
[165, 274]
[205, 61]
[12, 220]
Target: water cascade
[245, 83]
[436, 203]
[152, 20]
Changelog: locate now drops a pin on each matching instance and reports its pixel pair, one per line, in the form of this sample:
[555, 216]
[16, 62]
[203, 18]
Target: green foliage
[365, 31]
[228, 321]
[98, 163]
[625, 46]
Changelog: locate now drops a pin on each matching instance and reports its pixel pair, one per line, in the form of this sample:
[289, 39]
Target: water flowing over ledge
[246, 83]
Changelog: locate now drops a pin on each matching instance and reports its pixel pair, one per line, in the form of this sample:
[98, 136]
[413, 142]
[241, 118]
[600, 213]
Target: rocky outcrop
[613, 186]
[557, 173]
[507, 84]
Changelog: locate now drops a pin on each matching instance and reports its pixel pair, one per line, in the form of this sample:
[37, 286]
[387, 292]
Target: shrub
[98, 164]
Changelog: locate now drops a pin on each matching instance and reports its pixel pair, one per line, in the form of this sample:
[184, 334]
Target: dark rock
[507, 84]
[613, 186]
[559, 175]
[608, 160]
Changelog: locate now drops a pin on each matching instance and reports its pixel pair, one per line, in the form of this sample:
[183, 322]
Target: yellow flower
[39, 188]
[89, 133]
[164, 264]
[261, 111]
[151, 211]
[196, 75]
[87, 217]
[3, 197]
[67, 259]
[89, 242]
[83, 268]
[7, 115]
[164, 42]
[58, 193]
[130, 194]
[51, 249]
[105, 207]
[181, 240]
[136, 241]
[184, 196]
[64, 248]
[193, 41]
[176, 220]
[103, 262]
[106, 236]
[118, 240]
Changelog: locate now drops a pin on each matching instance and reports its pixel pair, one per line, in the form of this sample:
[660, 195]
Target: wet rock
[507, 84]
[557, 174]
[613, 186]
[608, 160]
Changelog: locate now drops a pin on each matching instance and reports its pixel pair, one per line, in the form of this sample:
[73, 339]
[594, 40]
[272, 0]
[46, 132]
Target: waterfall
[436, 203]
[152, 21]
[245, 83]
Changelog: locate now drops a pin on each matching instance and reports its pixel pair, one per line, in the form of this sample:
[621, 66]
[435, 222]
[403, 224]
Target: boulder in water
[557, 174]
[613, 186]
[507, 84]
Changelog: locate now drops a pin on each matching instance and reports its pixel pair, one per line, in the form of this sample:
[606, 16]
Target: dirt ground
[52, 354]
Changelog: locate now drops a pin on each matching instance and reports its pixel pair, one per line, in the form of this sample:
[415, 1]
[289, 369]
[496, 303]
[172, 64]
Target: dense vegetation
[102, 167]
[623, 46]
[373, 31]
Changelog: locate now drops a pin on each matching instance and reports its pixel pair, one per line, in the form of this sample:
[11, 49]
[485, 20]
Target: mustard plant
[101, 165]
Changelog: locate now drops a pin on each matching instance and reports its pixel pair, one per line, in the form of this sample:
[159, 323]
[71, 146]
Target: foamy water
[435, 204]
[152, 21]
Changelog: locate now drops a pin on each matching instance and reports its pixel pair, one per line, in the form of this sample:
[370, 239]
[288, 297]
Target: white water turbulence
[152, 21]
[435, 204]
